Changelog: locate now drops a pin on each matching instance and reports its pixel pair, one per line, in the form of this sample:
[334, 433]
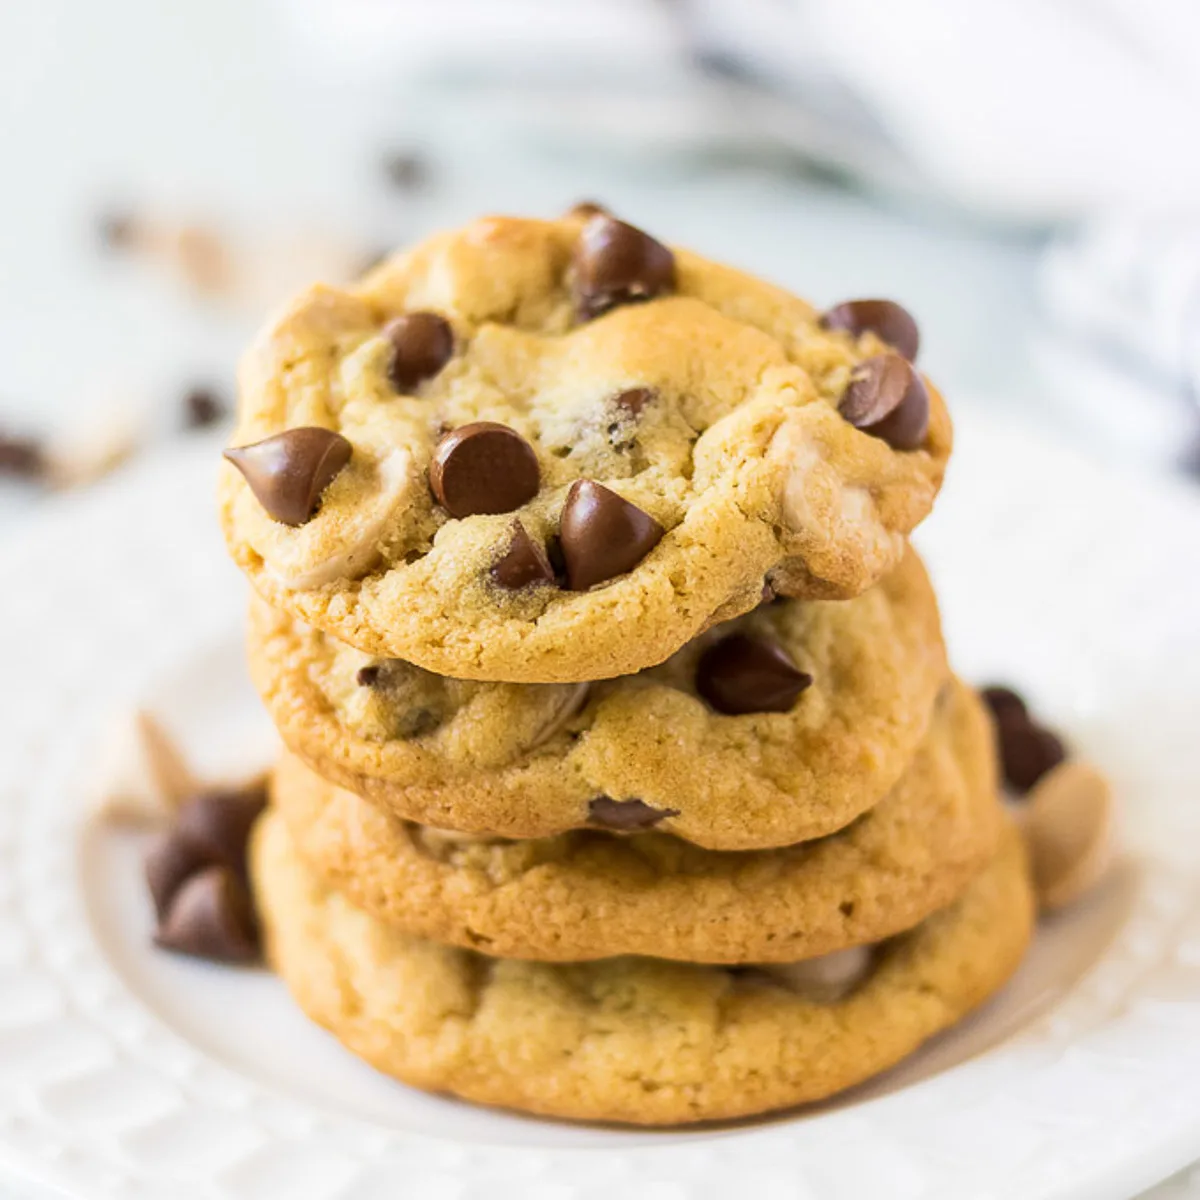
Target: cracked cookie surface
[649, 452]
[521, 760]
[587, 895]
[635, 1040]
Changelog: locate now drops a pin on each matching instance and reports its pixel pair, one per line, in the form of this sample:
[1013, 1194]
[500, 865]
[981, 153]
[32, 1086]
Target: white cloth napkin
[1077, 112]
[1029, 109]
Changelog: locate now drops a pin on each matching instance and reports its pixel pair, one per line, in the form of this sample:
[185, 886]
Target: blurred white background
[1003, 175]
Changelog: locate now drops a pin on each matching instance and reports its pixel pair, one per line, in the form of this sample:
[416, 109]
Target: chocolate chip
[632, 401]
[745, 674]
[1006, 704]
[422, 343]
[367, 676]
[417, 722]
[211, 917]
[406, 169]
[22, 457]
[887, 399]
[218, 824]
[585, 209]
[1027, 752]
[483, 468]
[886, 319]
[556, 558]
[169, 862]
[523, 564]
[627, 407]
[1027, 749]
[626, 815]
[202, 407]
[288, 472]
[618, 264]
[603, 535]
[117, 230]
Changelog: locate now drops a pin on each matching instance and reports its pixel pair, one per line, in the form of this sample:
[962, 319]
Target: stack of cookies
[626, 778]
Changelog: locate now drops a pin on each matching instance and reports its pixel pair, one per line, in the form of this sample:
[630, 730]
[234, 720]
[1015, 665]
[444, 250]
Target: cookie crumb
[95, 450]
[1068, 822]
[141, 777]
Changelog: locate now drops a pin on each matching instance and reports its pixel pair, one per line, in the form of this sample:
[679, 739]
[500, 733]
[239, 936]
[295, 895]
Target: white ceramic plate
[128, 1073]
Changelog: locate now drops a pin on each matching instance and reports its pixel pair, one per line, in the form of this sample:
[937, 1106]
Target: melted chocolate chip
[633, 401]
[744, 674]
[483, 468]
[618, 264]
[887, 399]
[627, 816]
[367, 676]
[627, 407]
[523, 564]
[422, 344]
[603, 535]
[886, 319]
[288, 472]
[211, 916]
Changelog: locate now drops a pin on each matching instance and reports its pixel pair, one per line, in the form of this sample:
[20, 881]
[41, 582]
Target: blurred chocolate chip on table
[203, 406]
[211, 917]
[1028, 749]
[22, 457]
[117, 229]
[197, 877]
[406, 170]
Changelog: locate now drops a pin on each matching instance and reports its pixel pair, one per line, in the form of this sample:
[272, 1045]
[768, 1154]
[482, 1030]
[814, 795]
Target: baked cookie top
[627, 1039]
[551, 451]
[586, 895]
[779, 726]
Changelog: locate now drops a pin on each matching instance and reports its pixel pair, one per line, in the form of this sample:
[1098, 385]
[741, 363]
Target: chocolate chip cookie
[553, 451]
[779, 726]
[586, 895]
[636, 1040]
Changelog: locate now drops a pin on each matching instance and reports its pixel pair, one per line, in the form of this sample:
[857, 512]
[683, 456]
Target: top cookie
[548, 451]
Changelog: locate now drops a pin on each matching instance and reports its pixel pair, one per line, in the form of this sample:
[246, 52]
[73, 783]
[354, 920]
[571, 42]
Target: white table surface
[213, 111]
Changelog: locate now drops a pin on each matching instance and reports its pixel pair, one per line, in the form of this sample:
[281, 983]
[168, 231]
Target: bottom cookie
[635, 1040]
